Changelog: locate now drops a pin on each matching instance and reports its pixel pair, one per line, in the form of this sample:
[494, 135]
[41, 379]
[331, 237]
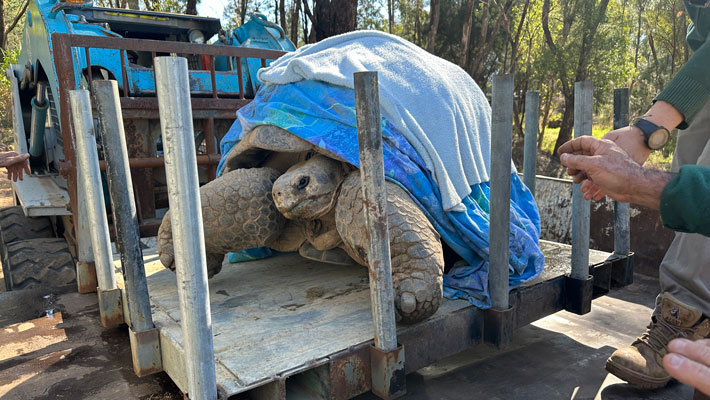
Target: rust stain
[350, 374]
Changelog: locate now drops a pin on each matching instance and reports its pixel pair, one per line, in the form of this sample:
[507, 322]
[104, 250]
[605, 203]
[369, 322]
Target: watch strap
[646, 126]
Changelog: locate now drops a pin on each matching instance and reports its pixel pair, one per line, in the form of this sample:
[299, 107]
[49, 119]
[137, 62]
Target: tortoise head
[309, 189]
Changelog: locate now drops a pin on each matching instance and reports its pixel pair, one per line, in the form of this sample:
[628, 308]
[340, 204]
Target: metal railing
[141, 159]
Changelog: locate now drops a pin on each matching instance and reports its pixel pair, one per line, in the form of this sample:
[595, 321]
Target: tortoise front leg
[415, 247]
[238, 213]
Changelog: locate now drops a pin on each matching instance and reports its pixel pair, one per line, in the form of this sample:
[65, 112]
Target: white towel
[435, 104]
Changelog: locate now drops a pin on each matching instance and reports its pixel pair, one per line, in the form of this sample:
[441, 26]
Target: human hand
[610, 169]
[15, 164]
[629, 139]
[600, 162]
[689, 362]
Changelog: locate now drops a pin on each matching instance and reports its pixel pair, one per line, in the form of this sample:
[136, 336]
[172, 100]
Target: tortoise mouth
[310, 207]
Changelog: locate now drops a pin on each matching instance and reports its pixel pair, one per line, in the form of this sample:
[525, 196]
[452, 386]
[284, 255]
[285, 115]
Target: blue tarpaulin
[324, 115]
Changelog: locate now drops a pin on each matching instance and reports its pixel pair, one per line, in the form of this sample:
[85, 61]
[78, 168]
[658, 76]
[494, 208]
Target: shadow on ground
[52, 346]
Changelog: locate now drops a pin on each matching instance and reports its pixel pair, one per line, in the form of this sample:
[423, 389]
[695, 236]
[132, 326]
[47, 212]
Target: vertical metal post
[532, 125]
[501, 154]
[386, 356]
[173, 87]
[622, 230]
[86, 280]
[372, 172]
[583, 103]
[90, 186]
[122, 203]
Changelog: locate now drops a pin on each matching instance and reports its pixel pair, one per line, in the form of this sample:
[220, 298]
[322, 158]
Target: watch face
[658, 139]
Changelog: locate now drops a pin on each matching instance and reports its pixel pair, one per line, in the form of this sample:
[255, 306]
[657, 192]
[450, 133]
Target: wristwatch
[654, 136]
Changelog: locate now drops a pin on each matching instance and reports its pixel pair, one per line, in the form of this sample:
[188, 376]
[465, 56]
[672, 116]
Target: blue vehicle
[68, 44]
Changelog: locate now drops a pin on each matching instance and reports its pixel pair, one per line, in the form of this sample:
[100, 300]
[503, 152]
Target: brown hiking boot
[641, 364]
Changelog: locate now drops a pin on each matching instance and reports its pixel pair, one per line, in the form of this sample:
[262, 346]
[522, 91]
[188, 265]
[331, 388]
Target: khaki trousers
[685, 269]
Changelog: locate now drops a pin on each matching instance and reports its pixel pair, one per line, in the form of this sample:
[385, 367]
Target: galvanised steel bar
[90, 185]
[372, 173]
[173, 88]
[501, 154]
[622, 214]
[532, 125]
[583, 103]
[123, 205]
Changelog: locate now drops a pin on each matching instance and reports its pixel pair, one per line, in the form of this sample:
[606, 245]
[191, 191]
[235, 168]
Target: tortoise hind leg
[415, 247]
[238, 213]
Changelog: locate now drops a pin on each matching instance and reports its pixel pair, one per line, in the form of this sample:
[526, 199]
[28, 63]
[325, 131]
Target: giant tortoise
[280, 191]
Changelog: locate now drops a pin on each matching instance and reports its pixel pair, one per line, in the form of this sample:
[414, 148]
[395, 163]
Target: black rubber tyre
[37, 263]
[15, 226]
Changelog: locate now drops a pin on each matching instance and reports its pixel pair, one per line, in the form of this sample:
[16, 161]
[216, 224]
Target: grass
[657, 160]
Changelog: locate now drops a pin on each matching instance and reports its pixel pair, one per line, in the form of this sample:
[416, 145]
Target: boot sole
[634, 377]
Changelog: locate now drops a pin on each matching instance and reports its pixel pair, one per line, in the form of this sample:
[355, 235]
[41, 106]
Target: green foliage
[638, 44]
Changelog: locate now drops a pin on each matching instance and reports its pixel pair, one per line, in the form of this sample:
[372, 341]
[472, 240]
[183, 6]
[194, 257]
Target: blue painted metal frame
[43, 20]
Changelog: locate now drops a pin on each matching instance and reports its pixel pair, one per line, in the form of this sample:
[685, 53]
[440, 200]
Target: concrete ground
[66, 354]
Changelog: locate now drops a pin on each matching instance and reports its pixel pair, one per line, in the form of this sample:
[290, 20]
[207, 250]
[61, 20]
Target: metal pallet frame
[381, 366]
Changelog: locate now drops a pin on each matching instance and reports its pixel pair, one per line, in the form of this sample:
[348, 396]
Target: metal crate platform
[286, 324]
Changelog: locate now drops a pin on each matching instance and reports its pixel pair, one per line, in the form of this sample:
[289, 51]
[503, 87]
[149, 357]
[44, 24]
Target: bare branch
[17, 18]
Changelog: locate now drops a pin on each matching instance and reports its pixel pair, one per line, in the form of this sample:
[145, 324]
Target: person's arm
[689, 362]
[606, 165]
[630, 138]
[16, 164]
[681, 198]
[684, 202]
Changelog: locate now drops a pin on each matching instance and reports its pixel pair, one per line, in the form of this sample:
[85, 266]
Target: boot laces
[659, 333]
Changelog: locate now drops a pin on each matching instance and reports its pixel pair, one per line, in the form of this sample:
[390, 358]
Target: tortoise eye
[303, 182]
[309, 155]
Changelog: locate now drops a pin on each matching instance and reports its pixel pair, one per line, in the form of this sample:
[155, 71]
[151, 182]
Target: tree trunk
[417, 23]
[433, 25]
[516, 40]
[190, 7]
[282, 14]
[546, 113]
[3, 35]
[294, 21]
[591, 16]
[466, 33]
[390, 14]
[333, 17]
[567, 124]
[243, 12]
[133, 4]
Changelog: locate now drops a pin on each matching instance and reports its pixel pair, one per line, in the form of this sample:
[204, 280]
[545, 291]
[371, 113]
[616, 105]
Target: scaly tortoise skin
[302, 198]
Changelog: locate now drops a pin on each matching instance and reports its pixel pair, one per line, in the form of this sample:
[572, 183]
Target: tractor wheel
[37, 263]
[14, 226]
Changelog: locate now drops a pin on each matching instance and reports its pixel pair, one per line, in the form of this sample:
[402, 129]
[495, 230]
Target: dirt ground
[5, 189]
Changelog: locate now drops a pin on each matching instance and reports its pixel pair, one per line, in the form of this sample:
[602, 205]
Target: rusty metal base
[110, 307]
[145, 349]
[388, 375]
[499, 326]
[86, 277]
[578, 294]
